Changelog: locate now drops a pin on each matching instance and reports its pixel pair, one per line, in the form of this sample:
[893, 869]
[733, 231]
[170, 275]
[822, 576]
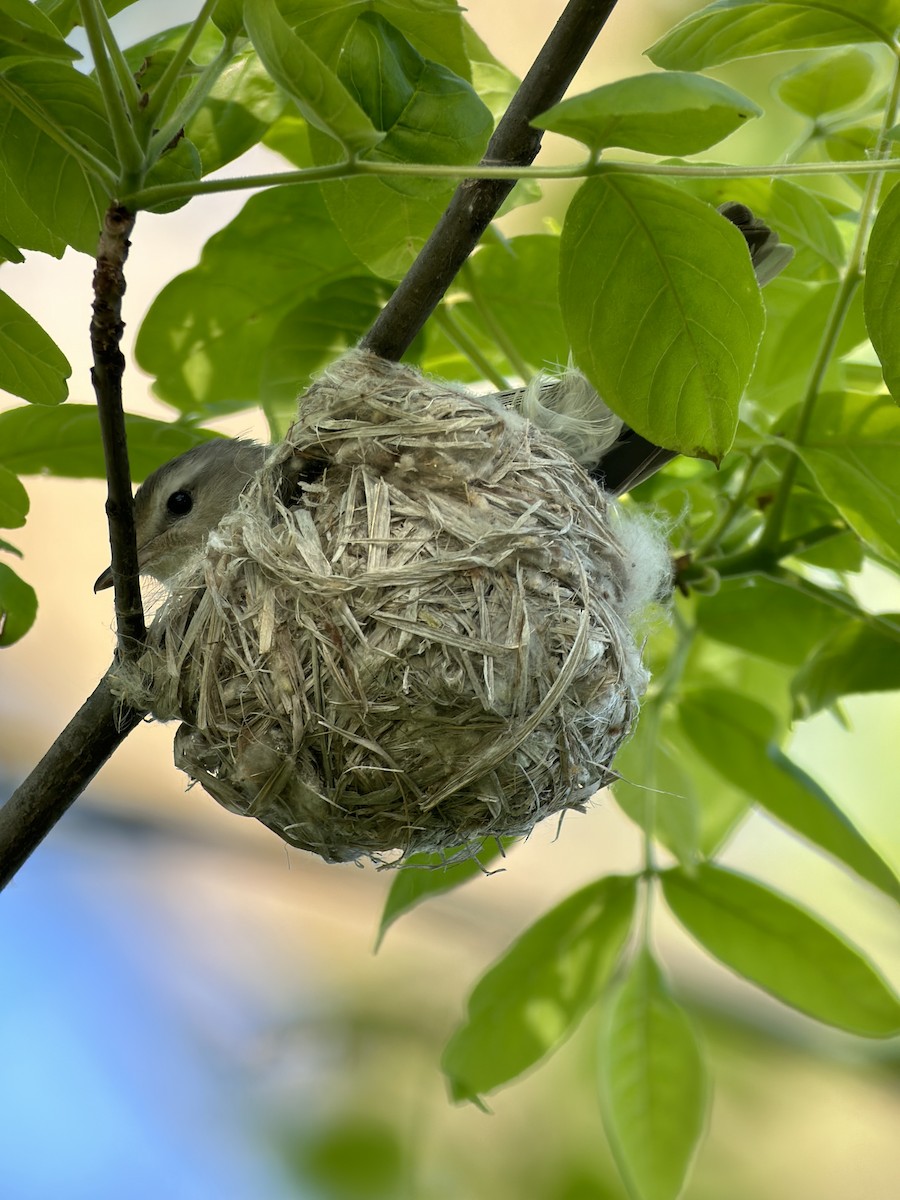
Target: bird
[183, 501]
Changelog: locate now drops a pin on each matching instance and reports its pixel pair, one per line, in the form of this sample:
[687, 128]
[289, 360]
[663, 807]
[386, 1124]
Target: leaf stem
[852, 278]
[163, 90]
[127, 84]
[128, 148]
[468, 347]
[163, 193]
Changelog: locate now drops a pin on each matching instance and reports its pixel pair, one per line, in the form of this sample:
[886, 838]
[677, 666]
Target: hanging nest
[426, 646]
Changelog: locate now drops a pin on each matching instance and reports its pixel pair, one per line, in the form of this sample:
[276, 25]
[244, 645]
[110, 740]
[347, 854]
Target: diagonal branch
[100, 725]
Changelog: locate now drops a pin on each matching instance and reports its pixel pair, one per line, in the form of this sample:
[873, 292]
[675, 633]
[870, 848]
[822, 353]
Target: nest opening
[412, 633]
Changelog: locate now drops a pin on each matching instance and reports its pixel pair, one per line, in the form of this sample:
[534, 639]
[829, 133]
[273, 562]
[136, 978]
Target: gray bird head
[180, 504]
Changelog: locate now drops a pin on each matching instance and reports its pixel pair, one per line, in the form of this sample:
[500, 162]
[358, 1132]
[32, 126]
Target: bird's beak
[104, 581]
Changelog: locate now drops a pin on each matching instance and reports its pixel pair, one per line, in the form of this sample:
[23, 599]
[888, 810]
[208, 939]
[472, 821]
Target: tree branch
[100, 725]
[61, 776]
[106, 375]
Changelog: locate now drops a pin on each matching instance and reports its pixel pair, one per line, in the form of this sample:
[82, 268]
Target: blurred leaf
[206, 333]
[46, 197]
[318, 93]
[882, 288]
[732, 29]
[765, 617]
[517, 285]
[18, 606]
[495, 84]
[309, 336]
[31, 364]
[423, 876]
[13, 500]
[428, 115]
[739, 738]
[826, 83]
[354, 1158]
[655, 789]
[782, 948]
[535, 995]
[859, 658]
[66, 441]
[9, 548]
[852, 448]
[803, 221]
[660, 113]
[796, 314]
[229, 17]
[653, 1083]
[26, 33]
[662, 309]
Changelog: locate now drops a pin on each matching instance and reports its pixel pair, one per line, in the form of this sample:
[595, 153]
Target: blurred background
[190, 1009]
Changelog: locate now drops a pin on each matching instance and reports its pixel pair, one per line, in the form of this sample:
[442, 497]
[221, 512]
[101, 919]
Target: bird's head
[181, 503]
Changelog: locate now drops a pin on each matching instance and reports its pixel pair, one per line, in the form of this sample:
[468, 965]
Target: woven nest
[426, 646]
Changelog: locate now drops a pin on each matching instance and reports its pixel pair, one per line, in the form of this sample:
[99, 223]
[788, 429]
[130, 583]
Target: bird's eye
[180, 503]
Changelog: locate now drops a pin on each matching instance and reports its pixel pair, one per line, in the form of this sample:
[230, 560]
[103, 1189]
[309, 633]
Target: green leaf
[47, 199]
[804, 222]
[428, 115]
[424, 876]
[662, 309]
[309, 336]
[180, 164]
[65, 14]
[882, 288]
[66, 441]
[9, 548]
[660, 113]
[655, 790]
[536, 994]
[859, 658]
[732, 29]
[827, 83]
[763, 616]
[504, 276]
[13, 501]
[851, 448]
[31, 364]
[18, 606]
[316, 90]
[26, 33]
[796, 315]
[783, 949]
[433, 27]
[206, 333]
[739, 738]
[653, 1084]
